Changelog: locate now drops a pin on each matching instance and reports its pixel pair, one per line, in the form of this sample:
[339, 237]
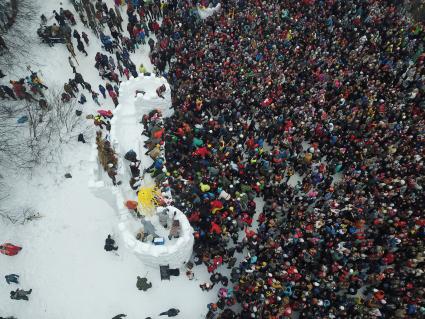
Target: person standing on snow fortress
[161, 90]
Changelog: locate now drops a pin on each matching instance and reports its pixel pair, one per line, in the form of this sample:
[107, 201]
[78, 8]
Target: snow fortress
[138, 97]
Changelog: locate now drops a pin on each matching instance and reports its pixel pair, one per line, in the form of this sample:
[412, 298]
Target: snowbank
[209, 11]
[125, 135]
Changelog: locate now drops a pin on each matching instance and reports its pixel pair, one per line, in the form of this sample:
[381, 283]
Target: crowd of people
[331, 93]
[31, 89]
[315, 106]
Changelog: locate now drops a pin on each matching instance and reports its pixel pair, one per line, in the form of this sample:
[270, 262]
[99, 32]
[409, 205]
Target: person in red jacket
[195, 217]
[114, 97]
[202, 152]
[9, 249]
[215, 228]
[216, 205]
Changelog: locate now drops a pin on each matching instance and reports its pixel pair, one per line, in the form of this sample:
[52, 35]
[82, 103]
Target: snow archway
[138, 97]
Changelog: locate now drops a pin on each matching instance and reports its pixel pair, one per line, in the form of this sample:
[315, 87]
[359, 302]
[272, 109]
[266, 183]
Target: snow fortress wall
[125, 135]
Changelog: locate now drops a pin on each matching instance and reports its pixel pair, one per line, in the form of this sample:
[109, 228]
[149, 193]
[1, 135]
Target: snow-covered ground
[63, 260]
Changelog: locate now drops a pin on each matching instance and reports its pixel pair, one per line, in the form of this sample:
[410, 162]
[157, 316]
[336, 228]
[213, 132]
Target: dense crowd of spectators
[331, 92]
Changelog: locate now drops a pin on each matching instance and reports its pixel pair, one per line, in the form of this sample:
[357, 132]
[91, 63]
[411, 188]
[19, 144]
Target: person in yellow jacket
[204, 187]
[142, 69]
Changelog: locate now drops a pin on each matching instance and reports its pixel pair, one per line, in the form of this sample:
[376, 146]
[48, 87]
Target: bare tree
[20, 216]
[10, 136]
[8, 13]
[15, 40]
[48, 131]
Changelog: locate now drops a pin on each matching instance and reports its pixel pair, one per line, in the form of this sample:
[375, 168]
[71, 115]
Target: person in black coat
[80, 47]
[110, 244]
[9, 91]
[76, 35]
[172, 312]
[20, 294]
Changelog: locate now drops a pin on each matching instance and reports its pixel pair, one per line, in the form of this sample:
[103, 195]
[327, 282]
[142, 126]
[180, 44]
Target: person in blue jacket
[102, 90]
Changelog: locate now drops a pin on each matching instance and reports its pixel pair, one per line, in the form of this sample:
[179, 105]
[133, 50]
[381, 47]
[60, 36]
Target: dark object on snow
[22, 119]
[42, 103]
[12, 278]
[174, 272]
[143, 284]
[131, 156]
[78, 112]
[166, 272]
[20, 294]
[68, 175]
[81, 138]
[172, 312]
[197, 260]
[10, 317]
[2, 75]
[120, 316]
[54, 34]
[110, 244]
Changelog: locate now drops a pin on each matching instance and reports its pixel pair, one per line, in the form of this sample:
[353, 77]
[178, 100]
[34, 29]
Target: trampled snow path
[63, 260]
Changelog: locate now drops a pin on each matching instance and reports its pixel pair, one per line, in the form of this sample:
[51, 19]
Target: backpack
[131, 156]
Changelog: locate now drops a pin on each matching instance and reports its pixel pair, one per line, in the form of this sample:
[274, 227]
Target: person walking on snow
[76, 35]
[143, 284]
[80, 47]
[114, 97]
[20, 294]
[172, 312]
[102, 90]
[95, 98]
[68, 89]
[82, 99]
[12, 278]
[9, 249]
[85, 38]
[71, 50]
[72, 65]
[110, 244]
